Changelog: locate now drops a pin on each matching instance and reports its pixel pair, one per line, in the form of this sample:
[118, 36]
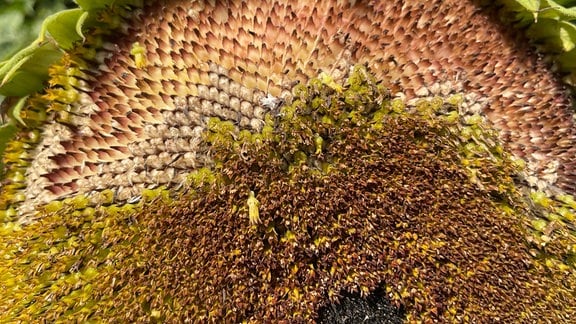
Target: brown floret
[386, 217]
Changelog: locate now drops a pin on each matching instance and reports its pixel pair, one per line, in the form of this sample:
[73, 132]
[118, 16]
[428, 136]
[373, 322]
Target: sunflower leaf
[567, 35]
[553, 10]
[63, 27]
[26, 72]
[99, 4]
[530, 5]
[80, 23]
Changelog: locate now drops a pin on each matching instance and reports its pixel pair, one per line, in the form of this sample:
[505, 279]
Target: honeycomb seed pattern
[138, 123]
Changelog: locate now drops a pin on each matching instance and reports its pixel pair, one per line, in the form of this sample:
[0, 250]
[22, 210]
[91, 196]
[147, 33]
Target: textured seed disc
[149, 93]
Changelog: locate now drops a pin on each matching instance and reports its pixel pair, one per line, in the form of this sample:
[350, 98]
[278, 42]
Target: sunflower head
[249, 161]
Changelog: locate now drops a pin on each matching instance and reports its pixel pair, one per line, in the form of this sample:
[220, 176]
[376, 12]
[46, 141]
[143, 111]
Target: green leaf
[80, 24]
[523, 11]
[20, 22]
[12, 69]
[553, 10]
[546, 29]
[549, 9]
[567, 35]
[99, 4]
[63, 27]
[530, 5]
[26, 71]
[559, 36]
[567, 3]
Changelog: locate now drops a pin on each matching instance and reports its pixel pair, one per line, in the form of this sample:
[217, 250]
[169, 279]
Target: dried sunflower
[150, 100]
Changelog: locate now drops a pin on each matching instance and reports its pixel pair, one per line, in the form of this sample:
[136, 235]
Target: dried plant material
[356, 137]
[126, 116]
